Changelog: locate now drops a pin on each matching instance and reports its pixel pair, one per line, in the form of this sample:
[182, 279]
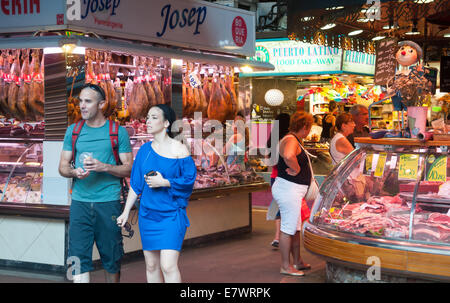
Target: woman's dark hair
[283, 127]
[332, 105]
[169, 115]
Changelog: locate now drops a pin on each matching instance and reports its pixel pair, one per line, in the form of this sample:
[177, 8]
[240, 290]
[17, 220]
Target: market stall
[167, 52]
[383, 214]
[308, 76]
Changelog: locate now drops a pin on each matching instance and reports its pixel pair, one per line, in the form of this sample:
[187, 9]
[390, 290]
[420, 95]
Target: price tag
[408, 166]
[393, 162]
[368, 166]
[193, 80]
[380, 165]
[437, 170]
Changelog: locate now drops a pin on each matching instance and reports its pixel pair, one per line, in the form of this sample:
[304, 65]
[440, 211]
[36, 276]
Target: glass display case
[389, 198]
[21, 171]
[402, 192]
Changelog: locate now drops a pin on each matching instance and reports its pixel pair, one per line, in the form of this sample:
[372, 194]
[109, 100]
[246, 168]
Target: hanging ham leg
[24, 89]
[111, 104]
[203, 102]
[36, 94]
[138, 107]
[206, 88]
[217, 105]
[3, 85]
[148, 85]
[229, 86]
[90, 75]
[13, 89]
[226, 95]
[157, 87]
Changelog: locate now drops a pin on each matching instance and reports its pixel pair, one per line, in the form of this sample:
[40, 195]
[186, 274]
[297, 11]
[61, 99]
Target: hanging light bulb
[274, 97]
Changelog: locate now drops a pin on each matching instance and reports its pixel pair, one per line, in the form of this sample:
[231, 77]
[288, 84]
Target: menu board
[431, 75]
[386, 63]
[445, 74]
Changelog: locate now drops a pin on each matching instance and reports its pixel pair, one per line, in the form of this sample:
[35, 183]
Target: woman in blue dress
[164, 196]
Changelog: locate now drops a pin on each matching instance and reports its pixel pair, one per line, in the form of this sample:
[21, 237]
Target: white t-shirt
[336, 156]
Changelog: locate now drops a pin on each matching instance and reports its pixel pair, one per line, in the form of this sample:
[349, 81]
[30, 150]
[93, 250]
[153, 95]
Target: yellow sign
[438, 169]
[369, 158]
[380, 165]
[408, 166]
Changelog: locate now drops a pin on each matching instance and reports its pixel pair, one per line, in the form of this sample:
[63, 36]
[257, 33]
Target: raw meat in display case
[372, 193]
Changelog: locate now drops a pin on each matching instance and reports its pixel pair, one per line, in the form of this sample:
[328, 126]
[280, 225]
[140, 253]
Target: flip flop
[303, 267]
[292, 273]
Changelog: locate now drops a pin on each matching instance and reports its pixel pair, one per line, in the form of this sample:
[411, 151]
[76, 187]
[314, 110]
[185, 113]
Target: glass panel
[21, 172]
[432, 213]
[367, 194]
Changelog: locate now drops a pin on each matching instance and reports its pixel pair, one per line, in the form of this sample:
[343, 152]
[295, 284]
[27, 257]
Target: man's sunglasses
[97, 88]
[127, 227]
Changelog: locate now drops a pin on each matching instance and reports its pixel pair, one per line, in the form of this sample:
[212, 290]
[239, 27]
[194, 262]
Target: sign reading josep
[187, 23]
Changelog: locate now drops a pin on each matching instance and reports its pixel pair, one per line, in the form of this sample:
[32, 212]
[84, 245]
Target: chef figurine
[408, 54]
[409, 82]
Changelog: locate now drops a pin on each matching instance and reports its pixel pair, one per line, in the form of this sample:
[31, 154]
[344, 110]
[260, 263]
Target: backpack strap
[75, 133]
[114, 137]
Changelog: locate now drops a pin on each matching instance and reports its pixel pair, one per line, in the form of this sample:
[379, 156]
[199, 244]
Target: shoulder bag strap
[114, 137]
[75, 133]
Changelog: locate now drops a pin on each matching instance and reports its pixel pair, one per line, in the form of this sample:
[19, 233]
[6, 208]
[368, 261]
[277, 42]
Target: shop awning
[139, 49]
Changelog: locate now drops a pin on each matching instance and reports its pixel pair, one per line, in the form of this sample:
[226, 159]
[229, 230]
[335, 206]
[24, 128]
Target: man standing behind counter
[360, 115]
[96, 187]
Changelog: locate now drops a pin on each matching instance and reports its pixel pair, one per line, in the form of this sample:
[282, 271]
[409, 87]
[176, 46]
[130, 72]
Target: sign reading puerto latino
[296, 58]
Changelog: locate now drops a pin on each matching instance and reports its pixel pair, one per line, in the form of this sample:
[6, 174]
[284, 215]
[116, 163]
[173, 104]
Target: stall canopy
[141, 49]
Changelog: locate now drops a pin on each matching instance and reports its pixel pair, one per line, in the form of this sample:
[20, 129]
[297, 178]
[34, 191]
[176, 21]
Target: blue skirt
[159, 231]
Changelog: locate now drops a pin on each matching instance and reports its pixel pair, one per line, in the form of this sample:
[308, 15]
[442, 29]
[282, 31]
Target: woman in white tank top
[339, 145]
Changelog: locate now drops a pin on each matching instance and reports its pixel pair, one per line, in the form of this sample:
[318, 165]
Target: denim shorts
[95, 221]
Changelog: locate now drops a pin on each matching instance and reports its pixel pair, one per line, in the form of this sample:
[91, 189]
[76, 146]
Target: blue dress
[162, 213]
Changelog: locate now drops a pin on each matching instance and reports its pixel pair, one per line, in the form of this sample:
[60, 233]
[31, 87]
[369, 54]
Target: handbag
[313, 188]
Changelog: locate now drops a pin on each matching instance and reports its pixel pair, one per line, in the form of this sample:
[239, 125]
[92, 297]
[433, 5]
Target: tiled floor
[241, 259]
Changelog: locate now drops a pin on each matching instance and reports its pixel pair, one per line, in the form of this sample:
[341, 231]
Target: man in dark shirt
[360, 115]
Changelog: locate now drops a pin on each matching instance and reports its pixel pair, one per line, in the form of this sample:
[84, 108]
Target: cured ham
[4, 84]
[203, 101]
[36, 93]
[157, 88]
[206, 88]
[13, 89]
[217, 105]
[148, 85]
[90, 75]
[111, 93]
[228, 104]
[138, 104]
[24, 89]
[229, 80]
